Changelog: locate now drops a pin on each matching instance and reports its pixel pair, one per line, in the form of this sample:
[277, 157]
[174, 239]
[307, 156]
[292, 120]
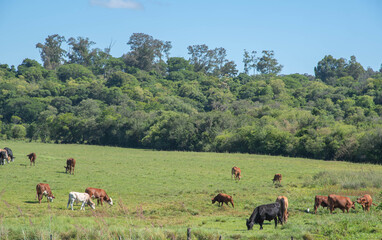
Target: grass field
[158, 195]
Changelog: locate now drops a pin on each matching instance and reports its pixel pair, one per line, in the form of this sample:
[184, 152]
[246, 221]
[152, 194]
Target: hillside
[159, 194]
[147, 99]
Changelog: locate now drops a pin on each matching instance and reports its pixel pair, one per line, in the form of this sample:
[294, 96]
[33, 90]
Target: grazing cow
[366, 201]
[320, 200]
[77, 197]
[32, 158]
[70, 164]
[337, 201]
[277, 178]
[100, 194]
[272, 211]
[10, 154]
[286, 214]
[3, 156]
[222, 198]
[43, 189]
[236, 172]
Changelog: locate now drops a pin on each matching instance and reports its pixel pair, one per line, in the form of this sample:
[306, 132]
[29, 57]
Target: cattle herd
[43, 189]
[85, 198]
[277, 211]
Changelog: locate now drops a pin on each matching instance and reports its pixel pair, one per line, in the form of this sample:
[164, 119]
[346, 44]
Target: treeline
[147, 99]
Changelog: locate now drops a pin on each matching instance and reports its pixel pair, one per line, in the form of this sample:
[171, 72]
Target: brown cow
[336, 201]
[320, 200]
[236, 172]
[70, 164]
[222, 198]
[43, 189]
[366, 201]
[100, 194]
[277, 178]
[286, 214]
[32, 158]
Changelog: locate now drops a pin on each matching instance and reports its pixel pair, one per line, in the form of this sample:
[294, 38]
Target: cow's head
[50, 198]
[110, 202]
[351, 204]
[213, 200]
[249, 224]
[361, 200]
[91, 203]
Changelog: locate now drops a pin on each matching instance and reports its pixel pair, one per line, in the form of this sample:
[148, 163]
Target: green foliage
[74, 71]
[119, 79]
[18, 132]
[147, 99]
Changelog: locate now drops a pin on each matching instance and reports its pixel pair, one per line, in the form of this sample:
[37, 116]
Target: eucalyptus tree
[146, 52]
[268, 64]
[51, 52]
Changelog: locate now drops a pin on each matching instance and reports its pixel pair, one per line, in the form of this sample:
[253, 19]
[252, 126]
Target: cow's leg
[261, 224]
[73, 170]
[39, 198]
[315, 208]
[67, 206]
[101, 201]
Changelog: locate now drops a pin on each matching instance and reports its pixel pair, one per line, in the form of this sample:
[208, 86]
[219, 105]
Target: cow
[3, 156]
[320, 200]
[77, 197]
[277, 178]
[43, 189]
[32, 158]
[337, 201]
[272, 211]
[10, 154]
[286, 214]
[236, 172]
[222, 198]
[100, 195]
[70, 164]
[366, 201]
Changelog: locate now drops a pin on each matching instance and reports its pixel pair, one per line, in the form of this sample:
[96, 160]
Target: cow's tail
[282, 209]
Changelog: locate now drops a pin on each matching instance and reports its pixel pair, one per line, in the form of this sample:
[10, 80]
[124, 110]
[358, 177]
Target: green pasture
[158, 195]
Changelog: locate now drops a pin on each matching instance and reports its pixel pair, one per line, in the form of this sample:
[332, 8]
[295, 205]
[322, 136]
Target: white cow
[77, 197]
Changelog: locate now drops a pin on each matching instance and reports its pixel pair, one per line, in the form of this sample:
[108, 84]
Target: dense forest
[148, 99]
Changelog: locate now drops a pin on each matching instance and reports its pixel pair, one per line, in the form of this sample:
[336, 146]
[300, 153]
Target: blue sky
[300, 32]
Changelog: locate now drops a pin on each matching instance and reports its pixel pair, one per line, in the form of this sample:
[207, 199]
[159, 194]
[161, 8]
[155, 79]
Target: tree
[267, 64]
[73, 71]
[249, 60]
[80, 51]
[211, 61]
[354, 68]
[31, 70]
[329, 69]
[146, 51]
[119, 79]
[51, 52]
[177, 64]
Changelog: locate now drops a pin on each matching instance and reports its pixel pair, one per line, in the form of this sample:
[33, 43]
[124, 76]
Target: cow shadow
[31, 202]
[61, 172]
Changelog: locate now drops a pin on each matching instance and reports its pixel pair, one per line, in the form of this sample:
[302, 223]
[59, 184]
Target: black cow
[268, 212]
[10, 154]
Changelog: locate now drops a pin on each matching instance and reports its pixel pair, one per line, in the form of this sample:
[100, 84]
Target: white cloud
[117, 4]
